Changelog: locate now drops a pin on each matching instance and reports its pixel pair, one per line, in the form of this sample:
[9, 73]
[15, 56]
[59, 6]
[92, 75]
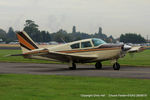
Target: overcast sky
[114, 16]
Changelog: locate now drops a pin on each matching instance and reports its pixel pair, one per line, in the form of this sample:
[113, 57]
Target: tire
[116, 66]
[98, 65]
[73, 67]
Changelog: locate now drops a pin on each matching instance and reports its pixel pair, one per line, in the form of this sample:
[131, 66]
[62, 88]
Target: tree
[38, 36]
[100, 30]
[45, 36]
[132, 38]
[74, 29]
[61, 34]
[3, 35]
[100, 35]
[31, 28]
[31, 24]
[11, 34]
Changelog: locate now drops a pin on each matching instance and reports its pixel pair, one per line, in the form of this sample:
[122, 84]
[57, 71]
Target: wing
[67, 57]
[61, 56]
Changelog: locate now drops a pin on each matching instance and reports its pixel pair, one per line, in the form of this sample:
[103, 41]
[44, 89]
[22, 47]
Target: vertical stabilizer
[26, 43]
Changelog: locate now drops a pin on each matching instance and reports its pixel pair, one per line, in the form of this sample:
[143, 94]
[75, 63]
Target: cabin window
[98, 42]
[75, 46]
[86, 44]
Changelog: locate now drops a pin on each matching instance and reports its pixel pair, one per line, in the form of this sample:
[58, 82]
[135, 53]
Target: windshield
[98, 42]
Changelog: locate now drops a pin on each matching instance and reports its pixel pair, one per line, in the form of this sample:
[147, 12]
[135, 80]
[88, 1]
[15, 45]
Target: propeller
[126, 47]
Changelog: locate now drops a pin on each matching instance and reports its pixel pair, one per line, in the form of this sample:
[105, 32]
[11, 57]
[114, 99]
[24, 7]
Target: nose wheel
[116, 66]
[98, 65]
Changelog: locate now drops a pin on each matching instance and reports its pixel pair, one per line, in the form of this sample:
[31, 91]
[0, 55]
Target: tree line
[44, 36]
[132, 38]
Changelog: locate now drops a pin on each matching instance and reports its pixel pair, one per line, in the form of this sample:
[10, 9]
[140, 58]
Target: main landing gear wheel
[73, 66]
[98, 65]
[116, 66]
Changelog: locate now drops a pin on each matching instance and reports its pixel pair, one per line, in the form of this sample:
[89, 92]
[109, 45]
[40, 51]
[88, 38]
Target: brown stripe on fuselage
[88, 50]
[24, 42]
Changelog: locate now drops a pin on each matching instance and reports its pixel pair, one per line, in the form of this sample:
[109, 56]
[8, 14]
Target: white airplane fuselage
[102, 52]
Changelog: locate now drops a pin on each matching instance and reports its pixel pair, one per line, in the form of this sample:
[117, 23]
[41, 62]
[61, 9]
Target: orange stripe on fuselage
[24, 42]
[87, 50]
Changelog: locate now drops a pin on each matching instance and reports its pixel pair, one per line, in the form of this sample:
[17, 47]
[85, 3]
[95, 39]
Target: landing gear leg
[73, 66]
[98, 65]
[116, 66]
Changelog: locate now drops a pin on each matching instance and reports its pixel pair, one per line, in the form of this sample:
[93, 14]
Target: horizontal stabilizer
[13, 55]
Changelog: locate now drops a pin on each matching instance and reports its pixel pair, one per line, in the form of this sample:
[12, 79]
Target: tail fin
[26, 43]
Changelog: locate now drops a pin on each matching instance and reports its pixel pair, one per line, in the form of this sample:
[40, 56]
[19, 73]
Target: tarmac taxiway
[82, 70]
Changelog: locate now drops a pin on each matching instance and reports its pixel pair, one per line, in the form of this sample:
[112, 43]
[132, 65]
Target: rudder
[26, 43]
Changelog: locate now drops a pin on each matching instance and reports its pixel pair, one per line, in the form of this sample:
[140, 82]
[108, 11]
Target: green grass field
[47, 87]
[139, 59]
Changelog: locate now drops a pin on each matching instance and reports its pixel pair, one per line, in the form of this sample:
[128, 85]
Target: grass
[47, 87]
[139, 59]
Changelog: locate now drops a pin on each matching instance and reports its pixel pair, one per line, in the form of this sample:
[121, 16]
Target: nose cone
[126, 47]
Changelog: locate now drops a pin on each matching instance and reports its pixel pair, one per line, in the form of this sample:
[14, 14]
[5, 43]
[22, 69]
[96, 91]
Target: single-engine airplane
[82, 51]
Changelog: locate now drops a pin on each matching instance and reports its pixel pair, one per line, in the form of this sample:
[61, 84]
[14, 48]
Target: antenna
[63, 40]
[147, 39]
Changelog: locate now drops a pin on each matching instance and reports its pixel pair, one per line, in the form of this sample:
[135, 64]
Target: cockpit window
[86, 44]
[98, 42]
[75, 46]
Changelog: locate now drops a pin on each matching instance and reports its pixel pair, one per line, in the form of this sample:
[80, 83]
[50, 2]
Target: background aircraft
[82, 51]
